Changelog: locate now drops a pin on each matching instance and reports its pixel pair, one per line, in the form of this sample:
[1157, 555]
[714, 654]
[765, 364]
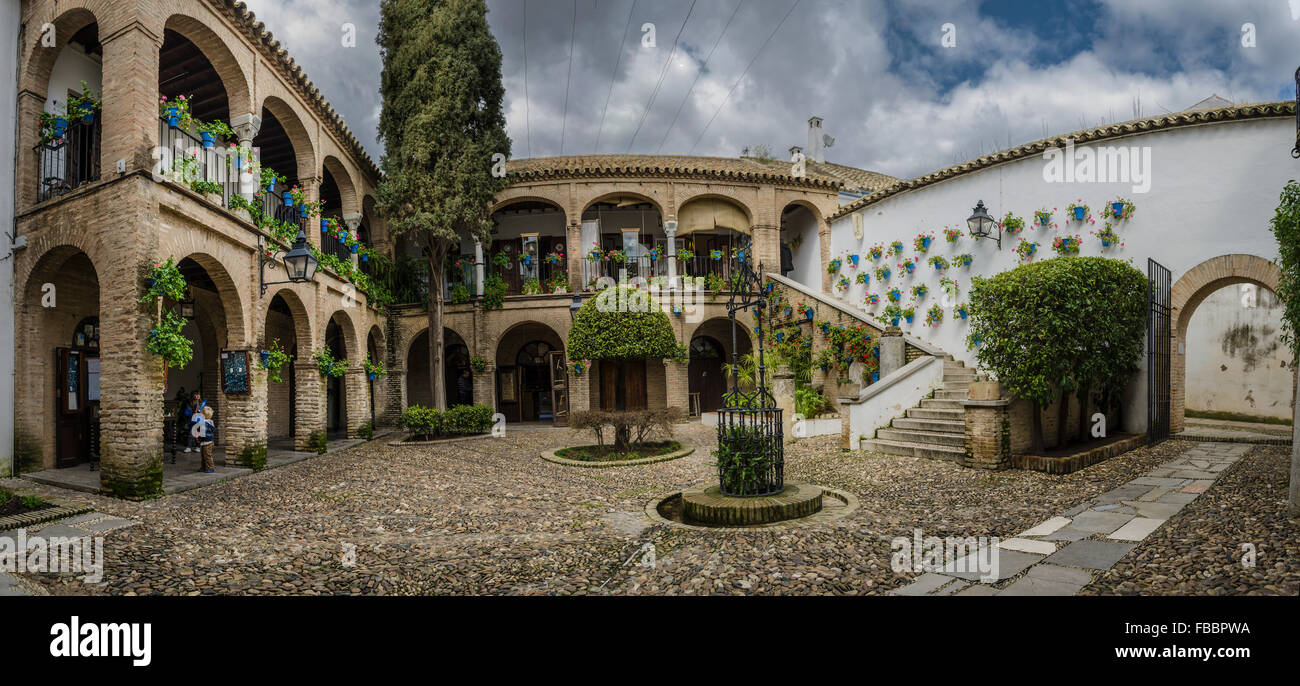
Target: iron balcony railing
[643, 267]
[183, 158]
[68, 162]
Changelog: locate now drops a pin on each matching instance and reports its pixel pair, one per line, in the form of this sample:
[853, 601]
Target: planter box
[214, 198]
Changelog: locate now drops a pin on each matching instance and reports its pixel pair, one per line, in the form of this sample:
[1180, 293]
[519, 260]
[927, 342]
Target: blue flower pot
[1118, 209]
[60, 125]
[174, 117]
[365, 257]
[788, 311]
[961, 313]
[354, 249]
[909, 319]
[893, 321]
[324, 225]
[853, 259]
[875, 376]
[1078, 213]
[304, 211]
[287, 197]
[925, 242]
[371, 375]
[810, 314]
[88, 118]
[266, 356]
[270, 187]
[1105, 243]
[208, 139]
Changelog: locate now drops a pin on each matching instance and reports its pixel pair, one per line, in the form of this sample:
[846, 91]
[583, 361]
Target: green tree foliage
[441, 125]
[1285, 225]
[1065, 325]
[621, 324]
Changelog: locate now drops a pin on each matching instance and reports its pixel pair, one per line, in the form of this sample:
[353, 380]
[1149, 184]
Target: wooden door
[609, 372]
[634, 385]
[559, 388]
[70, 405]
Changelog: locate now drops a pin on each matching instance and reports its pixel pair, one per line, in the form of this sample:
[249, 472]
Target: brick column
[311, 192]
[783, 393]
[130, 95]
[395, 397]
[580, 390]
[244, 427]
[677, 385]
[309, 401]
[485, 387]
[357, 395]
[573, 244]
[767, 247]
[988, 427]
[30, 106]
[132, 387]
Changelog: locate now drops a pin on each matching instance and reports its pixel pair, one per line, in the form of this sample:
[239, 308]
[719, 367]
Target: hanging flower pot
[875, 376]
[961, 312]
[788, 310]
[324, 226]
[715, 254]
[287, 197]
[174, 116]
[1118, 209]
[853, 260]
[353, 248]
[208, 139]
[60, 126]
[809, 312]
[266, 356]
[270, 187]
[304, 211]
[894, 320]
[365, 257]
[371, 375]
[88, 117]
[1079, 213]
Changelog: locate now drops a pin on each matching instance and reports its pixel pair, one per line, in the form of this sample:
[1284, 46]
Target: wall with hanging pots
[1201, 192]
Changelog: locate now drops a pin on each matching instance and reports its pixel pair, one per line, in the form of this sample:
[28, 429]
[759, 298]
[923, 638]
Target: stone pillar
[485, 387]
[988, 431]
[130, 97]
[767, 247]
[132, 383]
[783, 392]
[357, 394]
[246, 127]
[353, 222]
[480, 271]
[309, 402]
[670, 232]
[573, 244]
[244, 428]
[893, 351]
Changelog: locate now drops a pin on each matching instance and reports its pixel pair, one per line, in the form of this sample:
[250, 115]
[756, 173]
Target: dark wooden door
[635, 394]
[705, 373]
[609, 373]
[70, 414]
[559, 389]
[509, 273]
[622, 385]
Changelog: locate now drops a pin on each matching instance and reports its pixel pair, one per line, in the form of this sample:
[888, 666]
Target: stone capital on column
[353, 221]
[246, 127]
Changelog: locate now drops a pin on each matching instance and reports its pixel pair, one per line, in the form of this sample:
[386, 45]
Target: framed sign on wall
[234, 372]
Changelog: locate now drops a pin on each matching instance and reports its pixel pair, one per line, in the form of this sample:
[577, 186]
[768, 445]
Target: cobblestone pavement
[1233, 540]
[489, 517]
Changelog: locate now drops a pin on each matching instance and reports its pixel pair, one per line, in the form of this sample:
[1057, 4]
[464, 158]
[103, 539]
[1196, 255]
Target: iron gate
[1158, 343]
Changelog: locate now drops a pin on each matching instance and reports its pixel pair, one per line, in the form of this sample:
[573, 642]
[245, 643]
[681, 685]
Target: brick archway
[1192, 288]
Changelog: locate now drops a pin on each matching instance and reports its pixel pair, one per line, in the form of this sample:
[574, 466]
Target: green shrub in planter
[423, 422]
[467, 419]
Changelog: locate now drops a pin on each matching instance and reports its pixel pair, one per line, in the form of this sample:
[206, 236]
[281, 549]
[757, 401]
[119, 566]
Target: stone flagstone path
[1062, 553]
[84, 526]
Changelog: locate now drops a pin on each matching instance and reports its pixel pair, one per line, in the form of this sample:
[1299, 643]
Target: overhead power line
[573, 32]
[742, 74]
[698, 74]
[617, 60]
[663, 73]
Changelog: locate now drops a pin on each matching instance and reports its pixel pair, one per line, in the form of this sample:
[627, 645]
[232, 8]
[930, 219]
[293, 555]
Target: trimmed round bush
[621, 323]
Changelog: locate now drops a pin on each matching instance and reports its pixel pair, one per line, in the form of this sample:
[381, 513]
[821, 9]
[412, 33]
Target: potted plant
[862, 278]
[922, 242]
[685, 254]
[328, 365]
[894, 295]
[961, 310]
[949, 287]
[1067, 245]
[212, 131]
[1043, 218]
[876, 251]
[934, 315]
[1119, 208]
[52, 127]
[177, 112]
[1079, 211]
[478, 364]
[891, 315]
[919, 291]
[951, 235]
[882, 273]
[909, 267]
[83, 105]
[715, 255]
[833, 267]
[577, 367]
[963, 260]
[896, 248]
[871, 299]
[1026, 250]
[853, 261]
[1108, 237]
[842, 283]
[374, 370]
[532, 287]
[939, 262]
[908, 313]
[1012, 224]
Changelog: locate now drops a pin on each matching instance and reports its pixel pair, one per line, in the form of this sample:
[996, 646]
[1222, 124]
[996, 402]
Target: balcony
[69, 162]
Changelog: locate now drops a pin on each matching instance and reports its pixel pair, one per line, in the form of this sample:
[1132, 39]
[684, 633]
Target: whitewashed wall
[71, 67]
[808, 267]
[1212, 191]
[1236, 361]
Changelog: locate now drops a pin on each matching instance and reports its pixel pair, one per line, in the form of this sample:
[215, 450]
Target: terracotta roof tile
[827, 176]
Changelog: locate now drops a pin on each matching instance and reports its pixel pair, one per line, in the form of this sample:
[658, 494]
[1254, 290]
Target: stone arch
[375, 338]
[416, 355]
[517, 199]
[611, 195]
[299, 135]
[40, 60]
[730, 199]
[238, 91]
[228, 293]
[549, 194]
[374, 225]
[348, 328]
[348, 200]
[719, 328]
[302, 326]
[525, 380]
[1192, 288]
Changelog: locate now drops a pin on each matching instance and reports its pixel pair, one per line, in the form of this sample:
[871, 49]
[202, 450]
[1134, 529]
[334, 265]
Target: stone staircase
[936, 429]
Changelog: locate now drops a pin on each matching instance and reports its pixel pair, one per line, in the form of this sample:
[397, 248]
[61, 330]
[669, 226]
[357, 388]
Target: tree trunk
[1036, 415]
[437, 253]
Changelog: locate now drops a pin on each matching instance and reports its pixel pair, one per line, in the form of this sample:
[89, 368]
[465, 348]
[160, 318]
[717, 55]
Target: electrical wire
[662, 74]
[698, 74]
[617, 60]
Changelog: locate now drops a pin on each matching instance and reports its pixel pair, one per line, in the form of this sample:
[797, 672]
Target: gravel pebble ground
[490, 517]
[1200, 550]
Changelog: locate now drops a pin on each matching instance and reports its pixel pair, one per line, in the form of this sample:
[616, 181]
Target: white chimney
[815, 142]
[794, 150]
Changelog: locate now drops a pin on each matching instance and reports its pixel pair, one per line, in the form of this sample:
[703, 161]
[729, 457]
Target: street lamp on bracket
[981, 224]
[299, 264]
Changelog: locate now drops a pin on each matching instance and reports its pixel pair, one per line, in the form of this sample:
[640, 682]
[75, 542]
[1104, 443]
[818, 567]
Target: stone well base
[707, 506]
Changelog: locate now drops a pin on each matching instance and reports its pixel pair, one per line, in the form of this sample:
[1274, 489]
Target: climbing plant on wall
[1285, 226]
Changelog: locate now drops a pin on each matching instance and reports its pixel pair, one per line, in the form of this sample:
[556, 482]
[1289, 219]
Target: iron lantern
[981, 224]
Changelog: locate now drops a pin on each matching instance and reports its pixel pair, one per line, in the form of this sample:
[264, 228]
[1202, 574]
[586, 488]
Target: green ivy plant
[1285, 226]
[329, 365]
[163, 280]
[276, 358]
[374, 370]
[166, 341]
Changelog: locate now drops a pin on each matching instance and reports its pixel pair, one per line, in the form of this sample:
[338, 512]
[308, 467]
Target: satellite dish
[828, 139]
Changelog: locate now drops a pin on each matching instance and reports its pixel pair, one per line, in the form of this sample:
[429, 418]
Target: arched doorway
[336, 405]
[631, 227]
[375, 353]
[524, 233]
[801, 243]
[455, 360]
[57, 358]
[1188, 293]
[72, 159]
[704, 372]
[282, 326]
[455, 366]
[525, 359]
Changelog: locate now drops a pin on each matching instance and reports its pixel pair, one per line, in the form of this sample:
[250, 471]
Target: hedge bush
[461, 420]
[621, 324]
[631, 427]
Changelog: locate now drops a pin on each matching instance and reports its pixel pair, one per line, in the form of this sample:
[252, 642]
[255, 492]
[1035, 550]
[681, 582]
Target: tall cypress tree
[441, 124]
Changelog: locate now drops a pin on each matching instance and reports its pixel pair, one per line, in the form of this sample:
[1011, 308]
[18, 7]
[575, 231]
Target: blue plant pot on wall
[365, 257]
[266, 356]
[208, 139]
[287, 197]
[60, 126]
[371, 375]
[174, 117]
[1078, 213]
[324, 225]
[88, 118]
[1118, 209]
[810, 314]
[875, 376]
[304, 211]
[353, 248]
[894, 321]
[270, 187]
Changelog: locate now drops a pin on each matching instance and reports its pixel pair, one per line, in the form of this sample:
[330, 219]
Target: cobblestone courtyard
[489, 517]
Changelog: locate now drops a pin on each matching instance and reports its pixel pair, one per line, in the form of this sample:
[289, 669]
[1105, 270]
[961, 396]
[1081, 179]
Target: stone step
[932, 452]
[923, 413]
[960, 376]
[951, 395]
[941, 404]
[941, 425]
[956, 385]
[930, 438]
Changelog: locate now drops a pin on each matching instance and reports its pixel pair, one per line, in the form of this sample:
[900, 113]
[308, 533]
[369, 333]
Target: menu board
[234, 371]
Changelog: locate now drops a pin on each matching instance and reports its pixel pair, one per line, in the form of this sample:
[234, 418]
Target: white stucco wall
[1212, 190]
[8, 130]
[1236, 361]
[808, 266]
[71, 67]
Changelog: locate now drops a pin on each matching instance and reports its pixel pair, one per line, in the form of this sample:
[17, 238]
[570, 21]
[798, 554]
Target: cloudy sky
[726, 74]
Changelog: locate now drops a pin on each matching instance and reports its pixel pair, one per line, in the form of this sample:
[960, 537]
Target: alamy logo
[98, 639]
[951, 555]
[1103, 164]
